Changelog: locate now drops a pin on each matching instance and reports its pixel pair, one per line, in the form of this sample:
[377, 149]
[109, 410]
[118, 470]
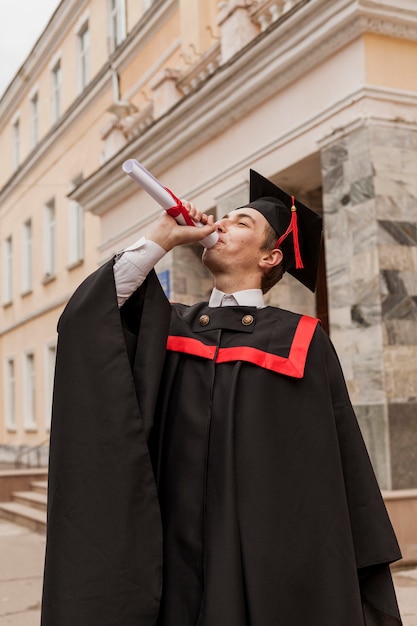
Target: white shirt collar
[247, 297]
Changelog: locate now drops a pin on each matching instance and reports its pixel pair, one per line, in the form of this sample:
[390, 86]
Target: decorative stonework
[134, 125]
[166, 92]
[267, 12]
[391, 26]
[114, 138]
[200, 71]
[236, 27]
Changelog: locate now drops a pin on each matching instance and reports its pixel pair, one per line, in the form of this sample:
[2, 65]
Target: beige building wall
[68, 146]
[306, 93]
[308, 96]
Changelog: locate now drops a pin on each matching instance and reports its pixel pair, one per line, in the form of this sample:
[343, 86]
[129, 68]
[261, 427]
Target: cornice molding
[275, 59]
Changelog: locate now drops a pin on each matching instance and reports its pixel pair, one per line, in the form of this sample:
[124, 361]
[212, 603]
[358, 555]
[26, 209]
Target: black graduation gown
[238, 435]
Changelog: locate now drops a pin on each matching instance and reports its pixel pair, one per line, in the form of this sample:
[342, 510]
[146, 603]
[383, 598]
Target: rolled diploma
[158, 192]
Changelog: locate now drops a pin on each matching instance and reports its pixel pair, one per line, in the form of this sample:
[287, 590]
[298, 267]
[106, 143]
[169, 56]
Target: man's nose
[220, 226]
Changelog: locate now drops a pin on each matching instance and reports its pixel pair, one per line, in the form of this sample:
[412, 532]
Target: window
[49, 240]
[56, 91]
[29, 415]
[76, 233]
[27, 257]
[16, 144]
[117, 23]
[83, 56]
[8, 270]
[49, 381]
[10, 394]
[34, 120]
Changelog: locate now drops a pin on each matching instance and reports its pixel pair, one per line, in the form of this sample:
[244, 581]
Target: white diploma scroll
[159, 193]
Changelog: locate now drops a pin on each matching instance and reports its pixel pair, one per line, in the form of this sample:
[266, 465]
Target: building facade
[318, 95]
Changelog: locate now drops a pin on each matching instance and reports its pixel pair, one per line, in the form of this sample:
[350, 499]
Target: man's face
[241, 238]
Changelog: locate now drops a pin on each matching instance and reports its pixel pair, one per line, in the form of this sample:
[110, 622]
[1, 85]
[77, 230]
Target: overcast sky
[22, 21]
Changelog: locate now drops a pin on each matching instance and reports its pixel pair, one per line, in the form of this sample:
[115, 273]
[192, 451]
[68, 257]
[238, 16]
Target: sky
[22, 22]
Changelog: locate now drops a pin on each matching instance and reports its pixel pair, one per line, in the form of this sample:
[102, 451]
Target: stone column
[370, 213]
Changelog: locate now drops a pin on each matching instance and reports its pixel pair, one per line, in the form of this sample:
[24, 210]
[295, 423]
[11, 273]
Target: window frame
[116, 23]
[29, 391]
[83, 56]
[8, 270]
[10, 394]
[56, 95]
[34, 119]
[27, 256]
[16, 142]
[49, 240]
[50, 359]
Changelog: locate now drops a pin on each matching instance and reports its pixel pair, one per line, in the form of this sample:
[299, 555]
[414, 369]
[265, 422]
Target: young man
[206, 465]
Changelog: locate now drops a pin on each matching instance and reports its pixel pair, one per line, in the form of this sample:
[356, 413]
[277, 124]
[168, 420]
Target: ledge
[48, 278]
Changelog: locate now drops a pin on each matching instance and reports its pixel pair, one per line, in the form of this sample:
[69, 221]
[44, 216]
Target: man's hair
[271, 278]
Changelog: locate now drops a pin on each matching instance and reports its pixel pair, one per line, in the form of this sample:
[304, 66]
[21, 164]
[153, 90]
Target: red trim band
[191, 346]
[293, 365]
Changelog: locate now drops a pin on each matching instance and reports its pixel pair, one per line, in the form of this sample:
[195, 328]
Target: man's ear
[270, 259]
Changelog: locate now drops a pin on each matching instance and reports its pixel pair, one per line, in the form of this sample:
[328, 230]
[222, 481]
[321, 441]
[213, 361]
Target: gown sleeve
[373, 536]
[103, 556]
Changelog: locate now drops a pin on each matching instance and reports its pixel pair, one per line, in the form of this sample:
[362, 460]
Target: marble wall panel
[332, 157]
[403, 444]
[368, 373]
[401, 206]
[409, 161]
[358, 167]
[409, 279]
[393, 257]
[341, 318]
[361, 226]
[360, 354]
[391, 184]
[371, 250]
[396, 137]
[358, 142]
[400, 332]
[386, 158]
[403, 233]
[400, 362]
[373, 422]
[291, 295]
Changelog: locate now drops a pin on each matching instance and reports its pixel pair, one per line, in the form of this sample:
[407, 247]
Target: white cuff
[133, 265]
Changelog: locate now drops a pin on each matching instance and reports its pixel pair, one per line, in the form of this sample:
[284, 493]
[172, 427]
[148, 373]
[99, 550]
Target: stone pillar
[189, 280]
[236, 27]
[370, 217]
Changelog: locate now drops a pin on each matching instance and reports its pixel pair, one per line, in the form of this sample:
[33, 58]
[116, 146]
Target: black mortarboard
[298, 228]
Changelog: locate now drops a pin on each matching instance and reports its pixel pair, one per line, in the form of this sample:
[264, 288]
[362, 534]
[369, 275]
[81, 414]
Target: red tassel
[298, 260]
[293, 228]
[179, 209]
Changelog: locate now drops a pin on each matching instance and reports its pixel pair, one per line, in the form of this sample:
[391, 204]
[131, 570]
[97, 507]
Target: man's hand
[168, 234]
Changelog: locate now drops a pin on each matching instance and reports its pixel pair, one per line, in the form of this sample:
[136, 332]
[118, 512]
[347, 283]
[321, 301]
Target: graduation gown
[206, 468]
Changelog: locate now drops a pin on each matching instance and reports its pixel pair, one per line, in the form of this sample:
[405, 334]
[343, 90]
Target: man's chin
[207, 258]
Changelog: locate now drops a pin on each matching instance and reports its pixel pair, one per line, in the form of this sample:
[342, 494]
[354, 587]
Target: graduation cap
[298, 228]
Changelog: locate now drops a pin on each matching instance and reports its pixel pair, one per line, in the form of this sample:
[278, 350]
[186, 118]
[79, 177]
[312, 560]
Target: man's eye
[243, 224]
